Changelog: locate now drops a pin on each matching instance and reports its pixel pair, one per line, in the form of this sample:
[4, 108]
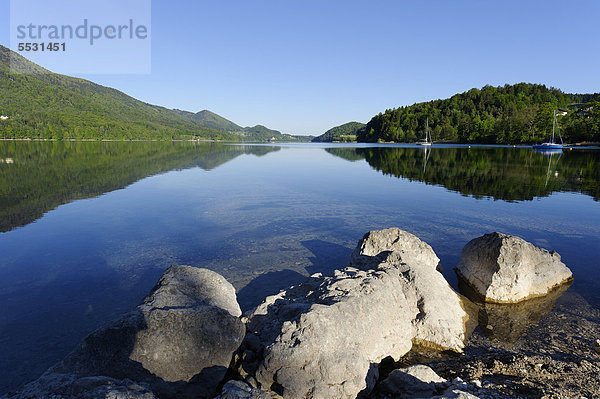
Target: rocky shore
[388, 326]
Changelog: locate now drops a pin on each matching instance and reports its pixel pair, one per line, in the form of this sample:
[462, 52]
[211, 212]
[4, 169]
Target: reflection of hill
[44, 175]
[349, 154]
[510, 174]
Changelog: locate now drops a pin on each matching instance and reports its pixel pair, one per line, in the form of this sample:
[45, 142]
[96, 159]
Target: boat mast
[553, 124]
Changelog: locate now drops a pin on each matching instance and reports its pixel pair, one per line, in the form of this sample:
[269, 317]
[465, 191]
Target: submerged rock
[325, 337]
[507, 322]
[241, 390]
[69, 386]
[508, 269]
[179, 341]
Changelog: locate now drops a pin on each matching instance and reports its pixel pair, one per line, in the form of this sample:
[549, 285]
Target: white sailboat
[551, 145]
[427, 140]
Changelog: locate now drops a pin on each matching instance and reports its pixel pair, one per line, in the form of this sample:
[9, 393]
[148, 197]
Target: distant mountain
[211, 120]
[520, 113]
[345, 132]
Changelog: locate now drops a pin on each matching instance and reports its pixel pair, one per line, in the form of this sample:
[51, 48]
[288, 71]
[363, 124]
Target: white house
[3, 117]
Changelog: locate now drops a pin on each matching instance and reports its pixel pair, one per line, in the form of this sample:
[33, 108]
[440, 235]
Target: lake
[87, 228]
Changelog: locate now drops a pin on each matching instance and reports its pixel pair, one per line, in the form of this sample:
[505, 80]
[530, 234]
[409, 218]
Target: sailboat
[427, 140]
[551, 145]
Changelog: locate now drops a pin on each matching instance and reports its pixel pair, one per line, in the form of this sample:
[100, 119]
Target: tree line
[509, 114]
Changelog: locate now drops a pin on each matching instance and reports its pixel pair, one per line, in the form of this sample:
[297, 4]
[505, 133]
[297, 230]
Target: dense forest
[44, 105]
[36, 177]
[507, 174]
[343, 133]
[510, 114]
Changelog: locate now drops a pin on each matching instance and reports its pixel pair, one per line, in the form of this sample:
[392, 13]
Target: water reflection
[43, 175]
[508, 322]
[510, 174]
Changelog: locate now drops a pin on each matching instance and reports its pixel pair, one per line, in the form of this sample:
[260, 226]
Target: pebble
[477, 383]
[597, 346]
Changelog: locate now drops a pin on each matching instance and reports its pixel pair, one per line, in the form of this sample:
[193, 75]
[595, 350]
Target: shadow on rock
[327, 256]
[265, 285]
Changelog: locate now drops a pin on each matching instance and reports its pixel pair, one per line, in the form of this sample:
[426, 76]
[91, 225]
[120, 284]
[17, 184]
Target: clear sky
[302, 67]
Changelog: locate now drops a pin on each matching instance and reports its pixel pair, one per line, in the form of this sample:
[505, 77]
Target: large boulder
[325, 337]
[445, 320]
[179, 341]
[410, 248]
[507, 269]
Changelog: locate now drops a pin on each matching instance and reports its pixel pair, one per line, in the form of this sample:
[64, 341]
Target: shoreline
[568, 146]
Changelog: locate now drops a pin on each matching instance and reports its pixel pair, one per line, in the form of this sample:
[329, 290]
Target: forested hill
[345, 132]
[42, 104]
[520, 113]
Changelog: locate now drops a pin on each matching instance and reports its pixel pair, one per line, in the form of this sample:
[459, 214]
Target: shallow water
[87, 228]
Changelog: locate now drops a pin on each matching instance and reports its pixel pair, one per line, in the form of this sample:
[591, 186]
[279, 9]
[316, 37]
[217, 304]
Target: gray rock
[417, 381]
[410, 248]
[241, 390]
[453, 393]
[192, 325]
[443, 321]
[508, 269]
[324, 338]
[179, 341]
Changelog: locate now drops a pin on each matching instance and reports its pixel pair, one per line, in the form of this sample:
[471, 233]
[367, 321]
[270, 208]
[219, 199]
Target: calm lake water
[88, 228]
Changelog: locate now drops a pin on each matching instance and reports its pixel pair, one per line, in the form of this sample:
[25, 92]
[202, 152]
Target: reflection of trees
[44, 175]
[510, 174]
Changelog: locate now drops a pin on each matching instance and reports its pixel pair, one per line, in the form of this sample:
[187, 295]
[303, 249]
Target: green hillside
[41, 104]
[346, 132]
[520, 113]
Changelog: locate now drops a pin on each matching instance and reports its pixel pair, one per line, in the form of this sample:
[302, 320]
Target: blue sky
[305, 66]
